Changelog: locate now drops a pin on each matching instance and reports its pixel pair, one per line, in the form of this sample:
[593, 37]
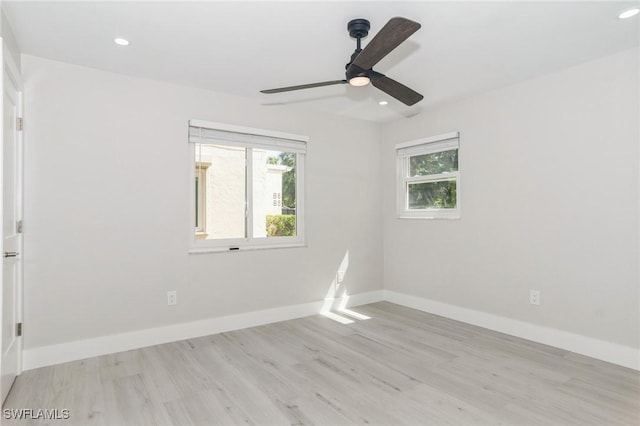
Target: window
[248, 188]
[429, 177]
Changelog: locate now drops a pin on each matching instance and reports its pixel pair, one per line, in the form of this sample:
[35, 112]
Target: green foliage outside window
[439, 194]
[433, 195]
[433, 164]
[283, 225]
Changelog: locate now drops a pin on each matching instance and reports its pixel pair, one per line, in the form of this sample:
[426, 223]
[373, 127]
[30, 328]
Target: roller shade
[428, 146]
[236, 136]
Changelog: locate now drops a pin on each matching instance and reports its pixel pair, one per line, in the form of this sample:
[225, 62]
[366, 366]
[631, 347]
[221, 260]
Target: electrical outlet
[534, 297]
[172, 298]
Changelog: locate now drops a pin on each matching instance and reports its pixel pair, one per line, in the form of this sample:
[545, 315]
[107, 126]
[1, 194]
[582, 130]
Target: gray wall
[107, 209]
[8, 38]
[549, 202]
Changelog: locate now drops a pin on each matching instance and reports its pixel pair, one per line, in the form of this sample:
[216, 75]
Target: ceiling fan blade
[393, 88]
[303, 86]
[388, 38]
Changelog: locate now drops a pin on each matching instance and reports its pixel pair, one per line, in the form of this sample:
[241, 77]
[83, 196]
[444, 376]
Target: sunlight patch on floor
[354, 314]
[336, 317]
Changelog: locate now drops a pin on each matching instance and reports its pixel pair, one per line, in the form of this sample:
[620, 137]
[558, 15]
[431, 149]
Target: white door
[11, 234]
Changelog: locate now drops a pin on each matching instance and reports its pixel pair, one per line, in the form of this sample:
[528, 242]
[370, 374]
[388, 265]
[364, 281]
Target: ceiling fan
[359, 69]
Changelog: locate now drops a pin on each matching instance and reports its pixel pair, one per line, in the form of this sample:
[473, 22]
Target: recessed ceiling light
[629, 13]
[121, 41]
[383, 103]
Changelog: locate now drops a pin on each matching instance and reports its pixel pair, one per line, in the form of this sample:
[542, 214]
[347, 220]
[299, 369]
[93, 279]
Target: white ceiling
[241, 47]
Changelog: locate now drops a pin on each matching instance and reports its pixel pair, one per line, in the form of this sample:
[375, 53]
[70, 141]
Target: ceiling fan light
[359, 81]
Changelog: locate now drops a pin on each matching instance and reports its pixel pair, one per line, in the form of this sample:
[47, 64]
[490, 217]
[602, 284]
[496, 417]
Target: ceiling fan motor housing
[358, 28]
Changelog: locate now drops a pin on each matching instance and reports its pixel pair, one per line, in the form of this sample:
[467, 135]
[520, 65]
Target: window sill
[235, 249]
[444, 217]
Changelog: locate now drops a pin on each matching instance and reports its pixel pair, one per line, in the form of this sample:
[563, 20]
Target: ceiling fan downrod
[358, 29]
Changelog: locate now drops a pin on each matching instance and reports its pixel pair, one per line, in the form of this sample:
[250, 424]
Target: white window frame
[248, 243]
[430, 145]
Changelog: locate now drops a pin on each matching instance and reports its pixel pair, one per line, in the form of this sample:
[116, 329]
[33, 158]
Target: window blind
[427, 146]
[244, 138]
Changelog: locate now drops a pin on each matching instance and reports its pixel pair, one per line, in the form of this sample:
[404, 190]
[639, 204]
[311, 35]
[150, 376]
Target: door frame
[11, 71]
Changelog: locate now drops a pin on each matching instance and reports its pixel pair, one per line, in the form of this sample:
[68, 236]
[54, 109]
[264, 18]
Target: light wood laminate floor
[401, 366]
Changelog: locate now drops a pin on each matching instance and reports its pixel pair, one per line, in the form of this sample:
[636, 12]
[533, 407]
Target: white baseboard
[625, 356]
[81, 349]
[365, 298]
[72, 351]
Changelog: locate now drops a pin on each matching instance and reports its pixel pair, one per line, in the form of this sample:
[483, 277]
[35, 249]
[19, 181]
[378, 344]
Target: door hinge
[19, 123]
[19, 329]
[19, 227]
